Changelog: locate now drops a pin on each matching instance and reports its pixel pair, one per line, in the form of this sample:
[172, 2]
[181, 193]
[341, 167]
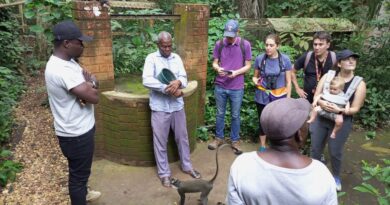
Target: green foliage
[376, 110]
[10, 46]
[221, 7]
[136, 40]
[202, 133]
[41, 15]
[296, 40]
[8, 168]
[167, 5]
[11, 86]
[46, 13]
[313, 8]
[381, 175]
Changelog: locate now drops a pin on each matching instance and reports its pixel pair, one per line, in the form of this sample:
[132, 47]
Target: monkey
[197, 185]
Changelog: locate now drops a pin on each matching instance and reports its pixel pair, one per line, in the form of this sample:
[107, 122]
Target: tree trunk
[251, 8]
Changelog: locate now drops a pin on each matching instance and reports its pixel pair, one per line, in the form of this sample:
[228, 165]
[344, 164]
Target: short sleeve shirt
[71, 118]
[310, 80]
[232, 59]
[271, 67]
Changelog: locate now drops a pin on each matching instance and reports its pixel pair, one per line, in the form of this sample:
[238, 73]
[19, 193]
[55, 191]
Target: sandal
[193, 173]
[166, 182]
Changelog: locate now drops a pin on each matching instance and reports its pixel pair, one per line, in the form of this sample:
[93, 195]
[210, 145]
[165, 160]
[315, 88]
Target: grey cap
[282, 118]
[67, 30]
[231, 28]
[346, 54]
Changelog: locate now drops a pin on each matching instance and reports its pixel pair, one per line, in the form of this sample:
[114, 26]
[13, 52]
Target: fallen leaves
[44, 177]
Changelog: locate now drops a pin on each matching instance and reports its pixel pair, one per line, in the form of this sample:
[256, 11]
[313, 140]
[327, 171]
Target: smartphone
[229, 72]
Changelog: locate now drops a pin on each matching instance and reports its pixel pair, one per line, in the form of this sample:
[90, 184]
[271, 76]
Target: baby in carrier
[336, 96]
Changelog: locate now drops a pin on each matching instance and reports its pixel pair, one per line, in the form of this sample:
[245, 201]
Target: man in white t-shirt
[281, 174]
[72, 92]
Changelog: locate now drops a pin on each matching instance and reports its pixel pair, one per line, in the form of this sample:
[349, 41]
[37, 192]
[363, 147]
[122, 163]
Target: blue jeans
[222, 96]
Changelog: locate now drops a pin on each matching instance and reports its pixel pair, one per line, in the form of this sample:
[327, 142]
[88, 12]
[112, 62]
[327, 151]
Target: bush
[382, 175]
[8, 168]
[11, 86]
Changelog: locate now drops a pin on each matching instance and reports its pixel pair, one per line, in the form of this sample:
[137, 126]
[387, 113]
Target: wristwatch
[94, 85]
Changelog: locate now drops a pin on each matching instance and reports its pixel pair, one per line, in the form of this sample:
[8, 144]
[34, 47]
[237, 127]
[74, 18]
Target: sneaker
[338, 183]
[236, 147]
[215, 144]
[262, 149]
[93, 195]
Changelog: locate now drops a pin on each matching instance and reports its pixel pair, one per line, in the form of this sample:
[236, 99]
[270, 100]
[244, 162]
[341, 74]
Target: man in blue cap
[72, 92]
[232, 59]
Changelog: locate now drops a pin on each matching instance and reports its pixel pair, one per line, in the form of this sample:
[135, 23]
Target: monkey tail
[216, 161]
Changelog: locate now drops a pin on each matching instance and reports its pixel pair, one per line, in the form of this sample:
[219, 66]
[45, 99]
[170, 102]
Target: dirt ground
[43, 179]
[125, 185]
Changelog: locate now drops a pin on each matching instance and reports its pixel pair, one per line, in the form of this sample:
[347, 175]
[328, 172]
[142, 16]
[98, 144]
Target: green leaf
[37, 29]
[29, 14]
[5, 153]
[367, 188]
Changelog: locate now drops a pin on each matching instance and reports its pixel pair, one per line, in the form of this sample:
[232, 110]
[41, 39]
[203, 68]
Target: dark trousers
[79, 152]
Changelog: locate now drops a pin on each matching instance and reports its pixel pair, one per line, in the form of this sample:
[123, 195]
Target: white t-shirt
[71, 118]
[254, 181]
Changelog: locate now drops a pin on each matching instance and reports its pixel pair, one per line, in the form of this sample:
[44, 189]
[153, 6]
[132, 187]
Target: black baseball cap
[346, 54]
[67, 30]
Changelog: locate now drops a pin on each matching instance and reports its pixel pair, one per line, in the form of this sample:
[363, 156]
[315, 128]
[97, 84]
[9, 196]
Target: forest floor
[43, 179]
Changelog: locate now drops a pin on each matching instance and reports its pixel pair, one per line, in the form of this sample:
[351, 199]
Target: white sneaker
[338, 183]
[93, 195]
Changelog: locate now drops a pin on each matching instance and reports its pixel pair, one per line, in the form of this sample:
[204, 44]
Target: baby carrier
[343, 100]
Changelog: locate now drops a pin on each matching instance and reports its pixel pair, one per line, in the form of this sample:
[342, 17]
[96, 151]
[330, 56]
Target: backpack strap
[307, 59]
[352, 87]
[329, 76]
[242, 47]
[280, 60]
[308, 56]
[334, 60]
[221, 45]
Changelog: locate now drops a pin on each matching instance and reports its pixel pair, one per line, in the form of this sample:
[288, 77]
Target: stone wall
[123, 127]
[127, 128]
[97, 56]
[191, 39]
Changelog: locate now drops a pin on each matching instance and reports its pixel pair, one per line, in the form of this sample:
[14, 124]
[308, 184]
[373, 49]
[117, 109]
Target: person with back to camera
[335, 94]
[167, 105]
[321, 128]
[314, 65]
[72, 92]
[272, 78]
[281, 174]
[232, 59]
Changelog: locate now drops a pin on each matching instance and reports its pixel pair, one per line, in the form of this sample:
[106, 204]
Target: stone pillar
[191, 34]
[94, 21]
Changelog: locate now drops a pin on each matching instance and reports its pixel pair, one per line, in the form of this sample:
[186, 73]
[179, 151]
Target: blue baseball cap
[231, 28]
[346, 54]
